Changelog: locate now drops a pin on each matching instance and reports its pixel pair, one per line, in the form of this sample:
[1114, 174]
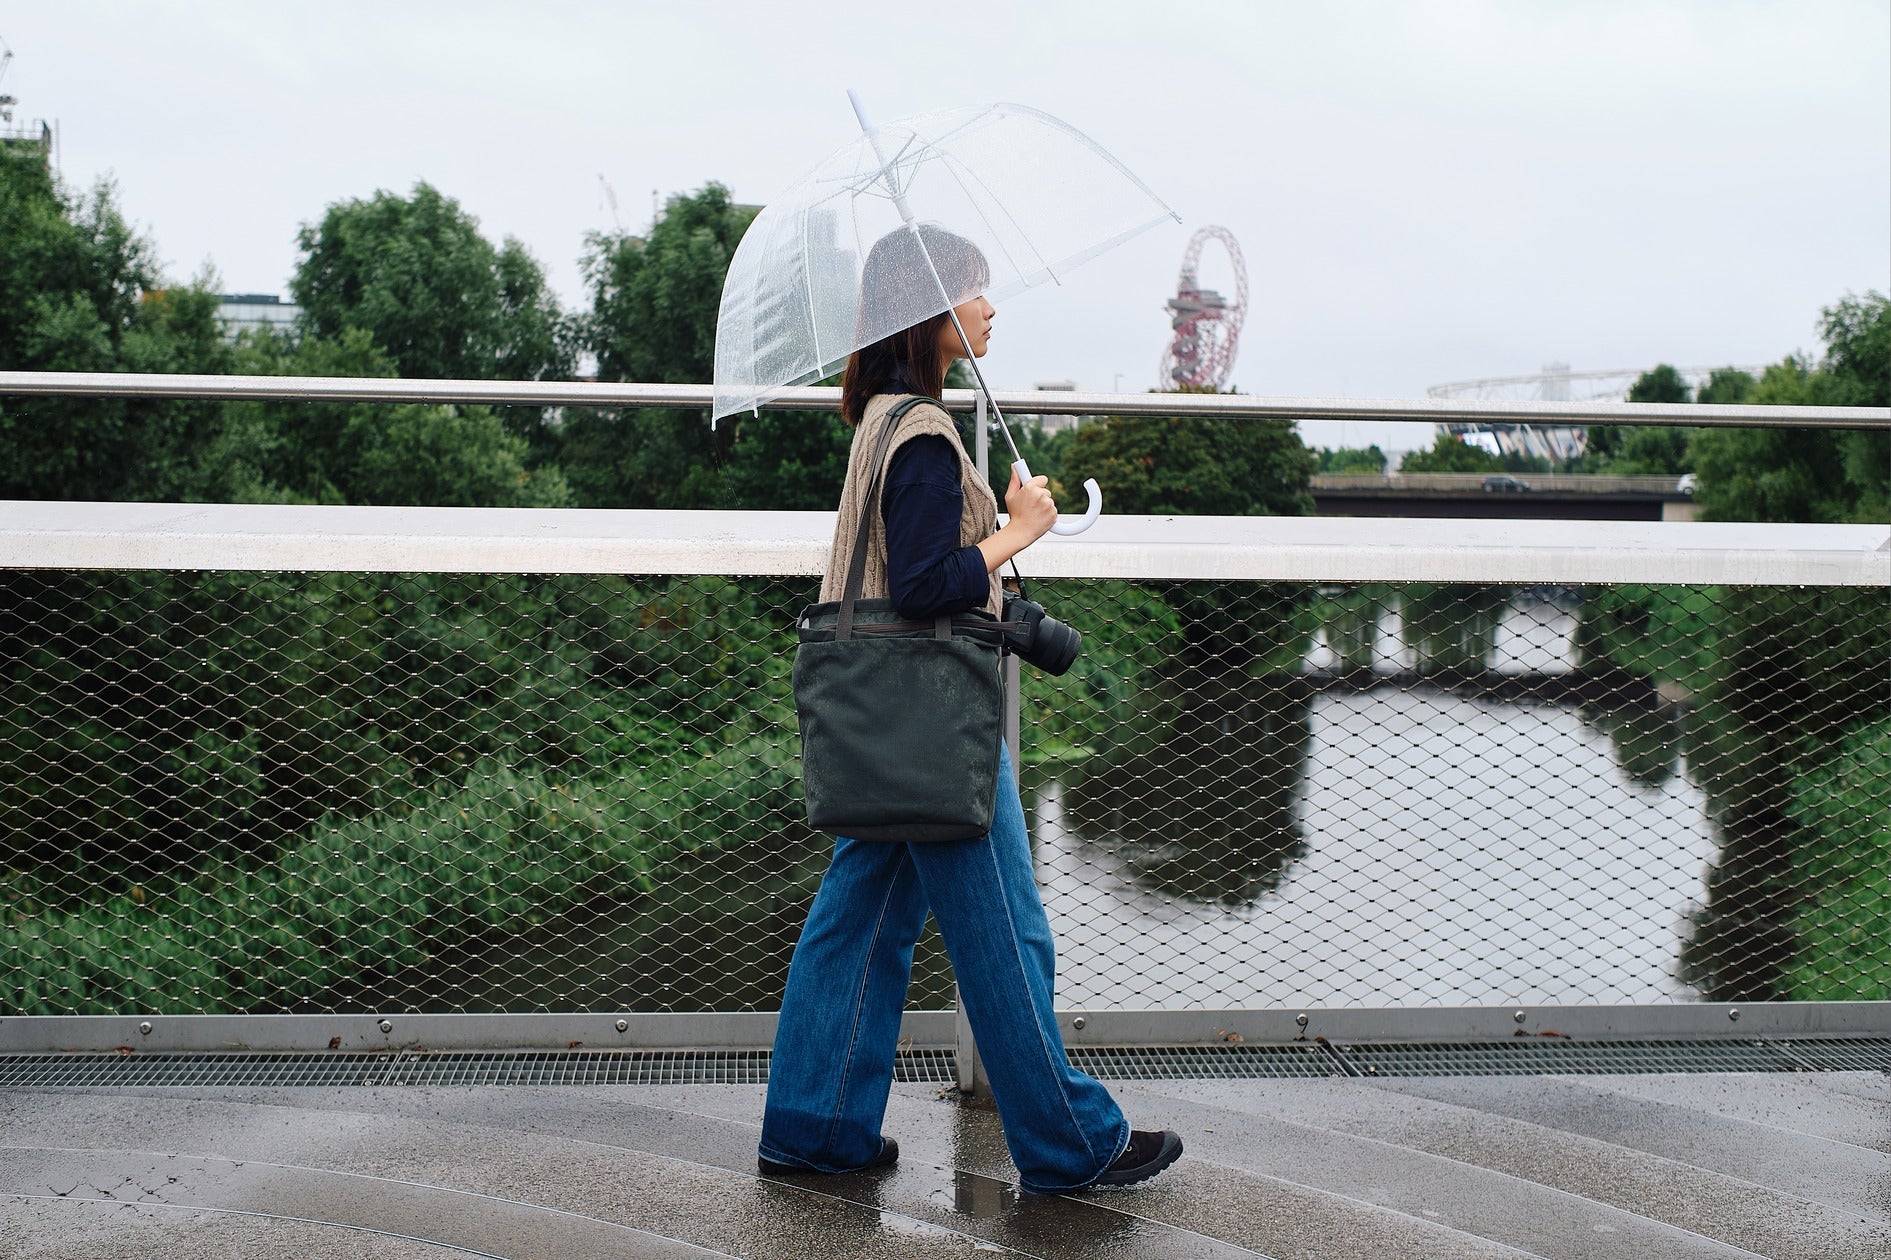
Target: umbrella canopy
[836, 262]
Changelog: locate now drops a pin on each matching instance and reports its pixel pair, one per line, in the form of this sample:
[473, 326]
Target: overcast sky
[1425, 192]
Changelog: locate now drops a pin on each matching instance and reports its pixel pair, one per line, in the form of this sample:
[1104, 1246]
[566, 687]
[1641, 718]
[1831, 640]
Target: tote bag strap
[857, 565]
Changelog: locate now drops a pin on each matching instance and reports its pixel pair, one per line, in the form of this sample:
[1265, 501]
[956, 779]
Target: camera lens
[1039, 638]
[1056, 646]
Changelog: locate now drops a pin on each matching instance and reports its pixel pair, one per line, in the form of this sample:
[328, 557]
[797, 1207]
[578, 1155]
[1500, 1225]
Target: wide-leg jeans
[840, 1017]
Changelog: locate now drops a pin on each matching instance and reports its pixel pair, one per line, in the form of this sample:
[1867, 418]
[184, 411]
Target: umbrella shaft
[906, 216]
[980, 376]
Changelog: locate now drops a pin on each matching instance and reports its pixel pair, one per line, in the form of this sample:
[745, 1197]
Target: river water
[1275, 846]
[1446, 850]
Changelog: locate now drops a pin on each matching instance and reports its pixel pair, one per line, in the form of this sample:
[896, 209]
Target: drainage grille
[1532, 1057]
[555, 1067]
[1168, 1063]
[1841, 1054]
[1548, 1057]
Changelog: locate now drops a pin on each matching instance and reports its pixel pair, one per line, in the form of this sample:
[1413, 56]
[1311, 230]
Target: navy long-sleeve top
[928, 573]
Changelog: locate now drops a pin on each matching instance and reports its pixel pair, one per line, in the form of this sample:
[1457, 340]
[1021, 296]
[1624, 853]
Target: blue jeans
[840, 1017]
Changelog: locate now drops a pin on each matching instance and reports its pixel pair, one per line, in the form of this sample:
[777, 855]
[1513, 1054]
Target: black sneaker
[889, 1154]
[1146, 1155]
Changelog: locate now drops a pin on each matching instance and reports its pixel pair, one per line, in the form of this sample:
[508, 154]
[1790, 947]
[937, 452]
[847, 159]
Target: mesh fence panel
[252, 793]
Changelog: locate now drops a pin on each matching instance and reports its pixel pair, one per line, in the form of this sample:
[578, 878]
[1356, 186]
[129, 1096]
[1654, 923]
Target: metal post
[981, 440]
[965, 1048]
[1014, 707]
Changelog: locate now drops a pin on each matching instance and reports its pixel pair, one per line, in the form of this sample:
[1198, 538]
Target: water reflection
[1452, 629]
[1743, 937]
[1646, 739]
[1207, 811]
[1444, 633]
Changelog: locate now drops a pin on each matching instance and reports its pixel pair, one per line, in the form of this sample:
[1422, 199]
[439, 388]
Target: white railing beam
[68, 535]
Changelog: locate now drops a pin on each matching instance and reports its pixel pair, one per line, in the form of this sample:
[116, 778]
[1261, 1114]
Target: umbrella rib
[952, 167]
[980, 119]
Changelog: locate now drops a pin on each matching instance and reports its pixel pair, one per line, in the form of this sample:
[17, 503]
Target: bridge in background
[1514, 496]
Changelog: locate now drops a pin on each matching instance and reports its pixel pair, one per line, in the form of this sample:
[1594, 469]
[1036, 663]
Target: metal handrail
[1026, 402]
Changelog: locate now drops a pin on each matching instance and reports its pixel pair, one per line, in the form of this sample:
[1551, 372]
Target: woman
[934, 548]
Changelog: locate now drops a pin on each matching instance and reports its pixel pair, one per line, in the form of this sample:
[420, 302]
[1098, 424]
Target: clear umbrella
[906, 222]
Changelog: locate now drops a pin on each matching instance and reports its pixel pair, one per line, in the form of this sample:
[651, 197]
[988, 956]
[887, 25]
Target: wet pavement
[1684, 1165]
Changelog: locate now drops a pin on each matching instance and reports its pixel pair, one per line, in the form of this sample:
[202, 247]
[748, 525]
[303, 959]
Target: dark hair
[896, 292]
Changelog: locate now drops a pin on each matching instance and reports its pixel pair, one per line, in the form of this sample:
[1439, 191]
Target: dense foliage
[1450, 453]
[1351, 459]
[1844, 805]
[82, 293]
[1810, 474]
[1628, 450]
[433, 293]
[1200, 465]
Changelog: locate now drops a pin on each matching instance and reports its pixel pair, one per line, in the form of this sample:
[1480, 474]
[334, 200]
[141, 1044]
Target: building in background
[1053, 424]
[247, 312]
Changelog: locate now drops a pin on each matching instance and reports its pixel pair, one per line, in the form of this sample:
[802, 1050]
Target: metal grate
[253, 793]
[1164, 1063]
[607, 1067]
[1840, 1054]
[938, 1066]
[1539, 1056]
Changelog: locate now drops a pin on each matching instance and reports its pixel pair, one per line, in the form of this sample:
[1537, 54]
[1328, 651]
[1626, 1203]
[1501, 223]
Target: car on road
[1503, 483]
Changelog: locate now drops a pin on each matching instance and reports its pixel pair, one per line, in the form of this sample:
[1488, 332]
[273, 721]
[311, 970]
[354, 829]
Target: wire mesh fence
[227, 792]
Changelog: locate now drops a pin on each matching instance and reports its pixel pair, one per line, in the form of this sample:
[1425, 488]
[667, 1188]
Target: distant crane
[6, 102]
[610, 199]
[31, 135]
[1206, 326]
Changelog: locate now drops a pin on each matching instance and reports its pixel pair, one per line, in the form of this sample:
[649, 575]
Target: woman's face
[976, 316]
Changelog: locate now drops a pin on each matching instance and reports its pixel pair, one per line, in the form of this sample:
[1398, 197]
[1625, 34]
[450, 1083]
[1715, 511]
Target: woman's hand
[1031, 506]
[1033, 512]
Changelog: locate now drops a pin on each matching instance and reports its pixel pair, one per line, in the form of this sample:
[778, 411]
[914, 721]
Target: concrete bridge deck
[1721, 1164]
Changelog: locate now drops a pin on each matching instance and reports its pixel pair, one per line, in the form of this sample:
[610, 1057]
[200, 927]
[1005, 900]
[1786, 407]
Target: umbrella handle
[1023, 472]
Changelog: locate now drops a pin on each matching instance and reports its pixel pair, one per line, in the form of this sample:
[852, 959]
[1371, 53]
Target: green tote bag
[900, 720]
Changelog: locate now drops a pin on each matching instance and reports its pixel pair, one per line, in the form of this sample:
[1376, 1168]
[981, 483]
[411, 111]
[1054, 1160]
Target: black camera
[1039, 638]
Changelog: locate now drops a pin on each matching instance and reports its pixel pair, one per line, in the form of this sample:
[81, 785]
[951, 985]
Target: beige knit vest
[976, 524]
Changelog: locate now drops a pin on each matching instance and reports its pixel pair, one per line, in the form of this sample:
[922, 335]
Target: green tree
[653, 318]
[432, 292]
[1810, 474]
[1628, 450]
[397, 455]
[1199, 465]
[1352, 459]
[1726, 385]
[435, 296]
[1660, 384]
[786, 461]
[1450, 453]
[83, 293]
